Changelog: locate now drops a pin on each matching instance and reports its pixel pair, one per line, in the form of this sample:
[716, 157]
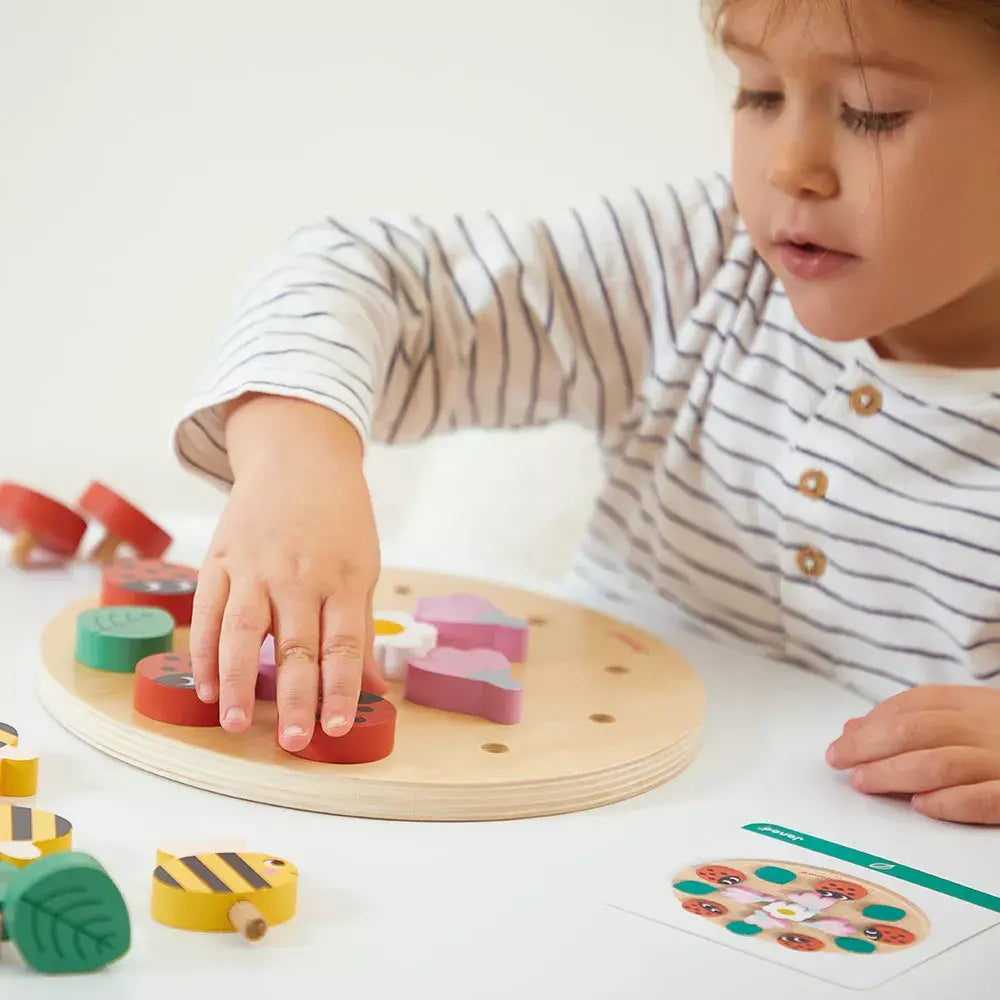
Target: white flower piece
[399, 638]
[792, 912]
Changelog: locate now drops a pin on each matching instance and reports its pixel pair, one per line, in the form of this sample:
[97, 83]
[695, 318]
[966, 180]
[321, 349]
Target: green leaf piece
[66, 915]
[117, 638]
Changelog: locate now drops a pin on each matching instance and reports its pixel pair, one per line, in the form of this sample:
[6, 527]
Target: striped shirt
[805, 497]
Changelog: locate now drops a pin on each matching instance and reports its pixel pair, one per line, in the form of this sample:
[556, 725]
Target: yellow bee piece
[26, 828]
[227, 891]
[18, 767]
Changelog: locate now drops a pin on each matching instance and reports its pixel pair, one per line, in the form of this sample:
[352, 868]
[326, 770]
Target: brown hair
[987, 11]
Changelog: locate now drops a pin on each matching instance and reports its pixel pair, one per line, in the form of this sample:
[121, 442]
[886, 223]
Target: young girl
[797, 400]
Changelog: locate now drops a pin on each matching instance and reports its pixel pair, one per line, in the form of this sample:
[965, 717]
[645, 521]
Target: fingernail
[831, 753]
[234, 717]
[290, 733]
[206, 692]
[858, 777]
[335, 722]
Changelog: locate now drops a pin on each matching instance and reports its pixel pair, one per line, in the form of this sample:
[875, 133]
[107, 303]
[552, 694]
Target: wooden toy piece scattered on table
[37, 522]
[165, 691]
[465, 621]
[371, 738]
[117, 638]
[472, 682]
[18, 766]
[150, 583]
[64, 913]
[22, 828]
[267, 672]
[124, 524]
[399, 638]
[227, 891]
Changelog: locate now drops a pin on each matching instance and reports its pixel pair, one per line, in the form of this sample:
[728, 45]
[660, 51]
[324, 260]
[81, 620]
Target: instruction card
[830, 910]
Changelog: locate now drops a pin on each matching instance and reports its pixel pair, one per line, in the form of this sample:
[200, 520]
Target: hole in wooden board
[495, 747]
[403, 590]
[617, 668]
[538, 620]
[602, 718]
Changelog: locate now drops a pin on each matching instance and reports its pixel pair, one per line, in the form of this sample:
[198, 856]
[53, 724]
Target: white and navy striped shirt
[801, 495]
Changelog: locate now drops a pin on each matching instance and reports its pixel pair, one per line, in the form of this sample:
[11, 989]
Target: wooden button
[814, 484]
[866, 400]
[811, 561]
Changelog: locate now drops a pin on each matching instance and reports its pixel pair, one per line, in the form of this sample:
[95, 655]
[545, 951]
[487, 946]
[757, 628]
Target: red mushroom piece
[124, 524]
[38, 522]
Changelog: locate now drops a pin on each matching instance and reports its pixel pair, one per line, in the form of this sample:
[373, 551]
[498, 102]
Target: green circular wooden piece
[695, 888]
[742, 929]
[877, 912]
[66, 915]
[779, 876]
[117, 638]
[857, 946]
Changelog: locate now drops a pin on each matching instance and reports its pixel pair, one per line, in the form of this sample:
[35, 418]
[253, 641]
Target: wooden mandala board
[609, 713]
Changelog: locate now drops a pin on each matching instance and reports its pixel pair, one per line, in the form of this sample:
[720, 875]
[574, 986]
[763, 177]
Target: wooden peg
[124, 524]
[247, 920]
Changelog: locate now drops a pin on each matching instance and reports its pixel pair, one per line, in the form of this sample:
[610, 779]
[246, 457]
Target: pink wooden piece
[470, 682]
[267, 672]
[465, 621]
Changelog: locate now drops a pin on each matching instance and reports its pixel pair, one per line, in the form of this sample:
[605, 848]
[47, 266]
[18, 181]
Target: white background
[152, 152]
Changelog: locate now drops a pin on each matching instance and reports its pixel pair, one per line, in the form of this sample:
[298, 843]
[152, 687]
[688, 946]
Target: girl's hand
[940, 745]
[295, 553]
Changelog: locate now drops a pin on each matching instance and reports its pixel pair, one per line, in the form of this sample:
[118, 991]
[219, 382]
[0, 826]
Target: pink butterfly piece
[765, 920]
[813, 900]
[267, 672]
[740, 894]
[465, 621]
[834, 926]
[470, 682]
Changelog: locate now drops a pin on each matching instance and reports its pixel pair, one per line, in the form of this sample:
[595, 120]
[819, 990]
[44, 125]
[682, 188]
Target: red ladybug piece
[800, 942]
[151, 583]
[836, 888]
[887, 934]
[164, 690]
[37, 521]
[721, 875]
[704, 908]
[124, 523]
[371, 738]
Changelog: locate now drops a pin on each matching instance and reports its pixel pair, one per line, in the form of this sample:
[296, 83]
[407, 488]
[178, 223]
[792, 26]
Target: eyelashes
[864, 122]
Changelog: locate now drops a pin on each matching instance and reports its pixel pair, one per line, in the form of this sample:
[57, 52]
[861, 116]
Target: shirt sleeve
[408, 329]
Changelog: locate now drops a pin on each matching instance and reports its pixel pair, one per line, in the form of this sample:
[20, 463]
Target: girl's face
[897, 167]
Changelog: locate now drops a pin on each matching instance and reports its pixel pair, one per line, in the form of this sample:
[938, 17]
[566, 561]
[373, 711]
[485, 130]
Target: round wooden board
[609, 713]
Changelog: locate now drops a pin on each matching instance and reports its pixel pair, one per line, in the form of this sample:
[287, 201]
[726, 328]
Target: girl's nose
[801, 165]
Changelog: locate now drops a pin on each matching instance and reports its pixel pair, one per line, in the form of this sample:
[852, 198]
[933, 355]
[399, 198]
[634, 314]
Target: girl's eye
[758, 100]
[873, 122]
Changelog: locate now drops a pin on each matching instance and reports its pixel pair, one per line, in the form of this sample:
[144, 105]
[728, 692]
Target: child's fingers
[342, 658]
[882, 737]
[927, 698]
[244, 624]
[296, 647]
[206, 628]
[927, 771]
[978, 804]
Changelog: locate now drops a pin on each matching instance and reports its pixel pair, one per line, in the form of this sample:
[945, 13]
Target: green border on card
[875, 863]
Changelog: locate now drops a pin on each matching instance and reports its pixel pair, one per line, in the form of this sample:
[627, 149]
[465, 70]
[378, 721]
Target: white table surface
[468, 911]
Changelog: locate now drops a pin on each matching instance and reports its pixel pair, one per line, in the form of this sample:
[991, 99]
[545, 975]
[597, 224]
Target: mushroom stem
[248, 920]
[106, 550]
[21, 548]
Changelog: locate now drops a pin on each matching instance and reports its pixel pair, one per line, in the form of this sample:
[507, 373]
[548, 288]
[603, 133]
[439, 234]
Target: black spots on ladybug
[367, 698]
[185, 681]
[359, 718]
[365, 708]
